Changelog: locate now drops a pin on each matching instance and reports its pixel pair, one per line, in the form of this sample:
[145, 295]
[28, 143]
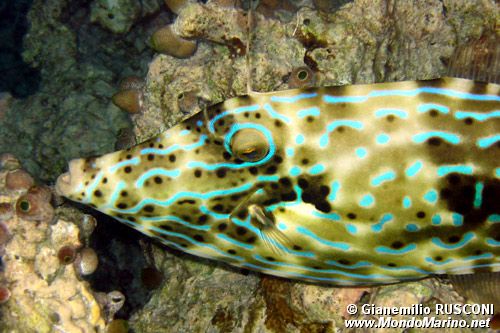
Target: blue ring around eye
[267, 134]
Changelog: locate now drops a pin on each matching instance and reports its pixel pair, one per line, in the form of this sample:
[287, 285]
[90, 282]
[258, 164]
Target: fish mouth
[67, 182]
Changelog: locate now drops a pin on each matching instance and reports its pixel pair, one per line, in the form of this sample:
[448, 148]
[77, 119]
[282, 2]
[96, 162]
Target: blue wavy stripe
[276, 115]
[474, 266]
[480, 116]
[439, 263]
[494, 218]
[383, 220]
[395, 112]
[384, 177]
[167, 218]
[359, 264]
[488, 141]
[431, 196]
[337, 245]
[410, 93]
[323, 141]
[465, 239]
[415, 168]
[432, 106]
[335, 188]
[492, 242]
[176, 147]
[235, 242]
[314, 111]
[288, 274]
[328, 271]
[133, 161]
[488, 255]
[330, 216]
[449, 137]
[388, 250]
[191, 240]
[292, 99]
[182, 194]
[249, 108]
[156, 172]
[115, 194]
[446, 169]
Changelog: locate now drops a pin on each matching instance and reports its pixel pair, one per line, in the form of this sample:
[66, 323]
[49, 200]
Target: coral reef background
[82, 49]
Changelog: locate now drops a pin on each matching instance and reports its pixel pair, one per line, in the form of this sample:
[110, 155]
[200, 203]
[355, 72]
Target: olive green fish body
[353, 185]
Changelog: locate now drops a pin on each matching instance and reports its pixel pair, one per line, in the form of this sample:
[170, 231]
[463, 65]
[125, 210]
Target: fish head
[219, 170]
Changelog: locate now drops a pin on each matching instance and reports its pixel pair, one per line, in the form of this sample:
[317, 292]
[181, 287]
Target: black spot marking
[434, 141]
[198, 238]
[277, 123]
[218, 208]
[397, 245]
[390, 118]
[241, 231]
[270, 259]
[297, 248]
[278, 159]
[433, 113]
[420, 214]
[275, 186]
[197, 173]
[226, 156]
[305, 161]
[351, 216]
[344, 262]
[151, 157]
[303, 183]
[222, 227]
[149, 208]
[289, 196]
[166, 227]
[468, 121]
[131, 218]
[438, 258]
[391, 264]
[127, 169]
[271, 170]
[309, 119]
[340, 129]
[98, 193]
[123, 193]
[187, 201]
[231, 251]
[251, 239]
[257, 115]
[315, 193]
[221, 172]
[253, 170]
[454, 239]
[171, 158]
[122, 205]
[202, 219]
[158, 180]
[104, 180]
[459, 192]
[285, 182]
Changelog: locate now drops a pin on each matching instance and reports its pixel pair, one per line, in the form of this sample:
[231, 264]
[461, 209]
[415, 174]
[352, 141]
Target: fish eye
[249, 144]
[24, 205]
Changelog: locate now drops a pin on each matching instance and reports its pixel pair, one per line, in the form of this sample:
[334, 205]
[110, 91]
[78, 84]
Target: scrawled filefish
[351, 185]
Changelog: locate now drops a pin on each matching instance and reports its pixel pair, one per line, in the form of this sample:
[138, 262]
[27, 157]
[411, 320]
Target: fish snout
[68, 182]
